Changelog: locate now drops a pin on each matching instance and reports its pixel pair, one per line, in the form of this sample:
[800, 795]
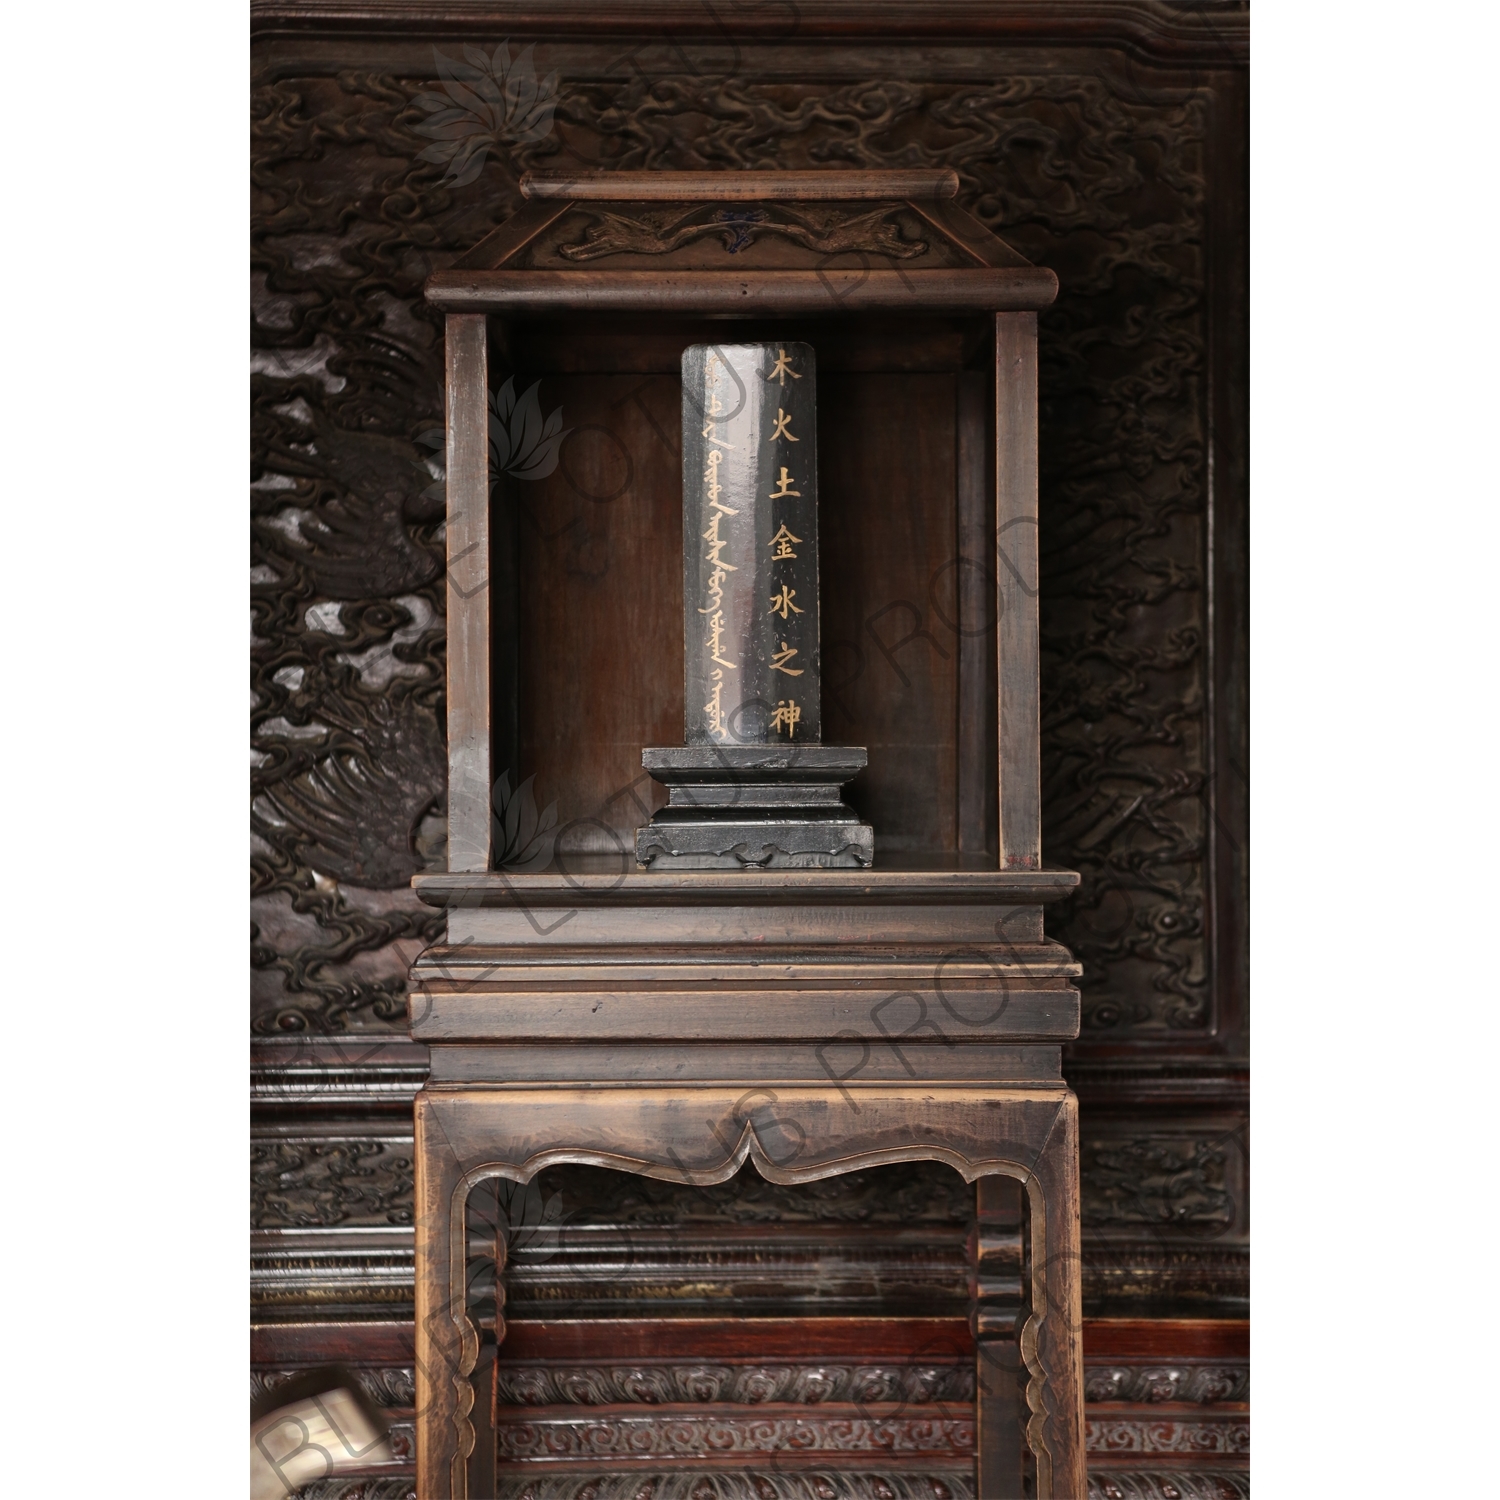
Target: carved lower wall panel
[794, 1415]
[885, 1485]
[680, 1486]
[1112, 1484]
[347, 1177]
[1191, 1179]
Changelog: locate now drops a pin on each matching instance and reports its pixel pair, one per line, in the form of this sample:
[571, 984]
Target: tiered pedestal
[765, 807]
[677, 1023]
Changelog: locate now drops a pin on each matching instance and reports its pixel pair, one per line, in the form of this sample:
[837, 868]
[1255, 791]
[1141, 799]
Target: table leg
[445, 1434]
[1052, 1337]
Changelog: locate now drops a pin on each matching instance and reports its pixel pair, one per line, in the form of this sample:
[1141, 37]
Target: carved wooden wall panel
[1101, 156]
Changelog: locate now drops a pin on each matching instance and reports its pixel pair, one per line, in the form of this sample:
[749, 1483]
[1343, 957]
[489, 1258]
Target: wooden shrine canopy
[741, 244]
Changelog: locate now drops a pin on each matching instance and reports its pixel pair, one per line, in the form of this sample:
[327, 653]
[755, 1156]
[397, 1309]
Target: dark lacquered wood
[602, 881]
[374, 1341]
[600, 619]
[1166, 1338]
[750, 293]
[730, 1014]
[965, 604]
[895, 1056]
[864, 1339]
[1187, 37]
[889, 664]
[511, 237]
[370, 1341]
[623, 344]
[1226, 796]
[600, 622]
[982, 245]
[998, 1303]
[1055, 1390]
[1017, 570]
[508, 562]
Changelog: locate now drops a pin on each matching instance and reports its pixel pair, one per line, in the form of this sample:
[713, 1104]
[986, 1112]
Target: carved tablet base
[734, 807]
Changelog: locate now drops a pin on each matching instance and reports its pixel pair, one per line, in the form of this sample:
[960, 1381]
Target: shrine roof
[741, 243]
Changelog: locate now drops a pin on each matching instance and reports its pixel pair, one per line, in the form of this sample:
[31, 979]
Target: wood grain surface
[1017, 523]
[750, 293]
[831, 185]
[469, 770]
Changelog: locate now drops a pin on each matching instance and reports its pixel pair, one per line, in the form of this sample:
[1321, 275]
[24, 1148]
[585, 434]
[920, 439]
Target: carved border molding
[390, 1387]
[1227, 1435]
[643, 1436]
[359, 1489]
[328, 1268]
[947, 1484]
[791, 1436]
[660, 1383]
[1173, 1484]
[659, 233]
[1176, 1484]
[745, 1385]
[317, 1270]
[1216, 34]
[1193, 1384]
[314, 1269]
